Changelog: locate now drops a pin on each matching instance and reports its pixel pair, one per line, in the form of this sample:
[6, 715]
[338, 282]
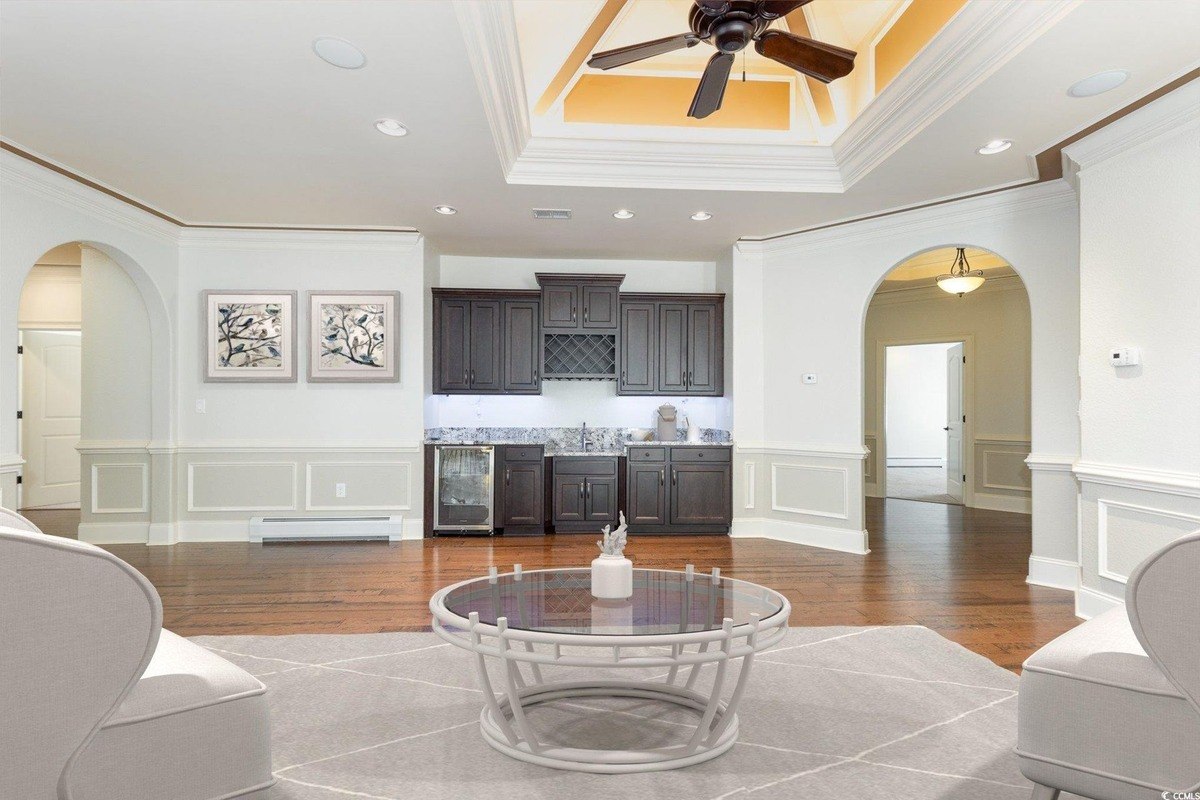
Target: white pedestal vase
[612, 577]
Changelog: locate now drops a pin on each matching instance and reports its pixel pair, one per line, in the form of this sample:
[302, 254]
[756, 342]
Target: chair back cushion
[1163, 602]
[11, 519]
[77, 628]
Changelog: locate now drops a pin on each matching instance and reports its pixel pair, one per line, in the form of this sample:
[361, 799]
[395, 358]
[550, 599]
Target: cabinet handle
[581, 490]
[662, 477]
[508, 476]
[572, 313]
[466, 376]
[586, 311]
[674, 477]
[472, 376]
[623, 376]
[587, 486]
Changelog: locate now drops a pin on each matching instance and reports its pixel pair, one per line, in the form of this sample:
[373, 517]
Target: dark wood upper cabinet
[672, 348]
[578, 302]
[560, 306]
[486, 342]
[522, 347]
[684, 351]
[638, 367]
[452, 361]
[704, 354]
[485, 346]
[600, 306]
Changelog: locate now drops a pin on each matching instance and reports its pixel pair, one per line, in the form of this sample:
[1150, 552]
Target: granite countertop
[601, 453]
[678, 444]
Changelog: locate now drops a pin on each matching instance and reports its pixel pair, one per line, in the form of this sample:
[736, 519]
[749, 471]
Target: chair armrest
[77, 628]
[1162, 599]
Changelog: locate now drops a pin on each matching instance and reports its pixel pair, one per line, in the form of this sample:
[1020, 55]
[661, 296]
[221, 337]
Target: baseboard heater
[328, 529]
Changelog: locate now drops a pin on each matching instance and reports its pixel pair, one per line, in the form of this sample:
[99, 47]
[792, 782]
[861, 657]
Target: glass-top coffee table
[676, 622]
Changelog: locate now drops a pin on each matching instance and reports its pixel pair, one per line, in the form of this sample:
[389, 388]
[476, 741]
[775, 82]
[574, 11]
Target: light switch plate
[809, 377]
[339, 489]
[200, 407]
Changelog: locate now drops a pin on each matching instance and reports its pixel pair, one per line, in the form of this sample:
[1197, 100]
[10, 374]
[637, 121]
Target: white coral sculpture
[614, 541]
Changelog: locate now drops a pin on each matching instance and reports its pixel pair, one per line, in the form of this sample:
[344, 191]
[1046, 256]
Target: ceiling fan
[730, 26]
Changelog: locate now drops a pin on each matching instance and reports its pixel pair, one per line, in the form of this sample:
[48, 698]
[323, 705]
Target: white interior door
[50, 409]
[954, 422]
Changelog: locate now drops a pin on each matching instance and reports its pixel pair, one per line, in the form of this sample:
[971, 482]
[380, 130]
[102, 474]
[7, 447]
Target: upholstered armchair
[1111, 709]
[97, 701]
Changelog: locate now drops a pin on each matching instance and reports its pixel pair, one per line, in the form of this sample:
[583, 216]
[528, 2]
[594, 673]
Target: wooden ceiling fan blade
[774, 9]
[825, 62]
[711, 90]
[636, 52]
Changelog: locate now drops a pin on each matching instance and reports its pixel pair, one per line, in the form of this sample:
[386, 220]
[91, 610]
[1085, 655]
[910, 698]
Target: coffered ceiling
[220, 113]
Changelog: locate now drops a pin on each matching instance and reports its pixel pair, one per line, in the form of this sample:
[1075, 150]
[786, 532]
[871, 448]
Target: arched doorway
[947, 393]
[87, 382]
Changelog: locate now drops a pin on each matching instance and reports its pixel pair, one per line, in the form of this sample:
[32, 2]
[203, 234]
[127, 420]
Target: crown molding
[1170, 114]
[1030, 198]
[398, 241]
[56, 186]
[979, 40]
[973, 45]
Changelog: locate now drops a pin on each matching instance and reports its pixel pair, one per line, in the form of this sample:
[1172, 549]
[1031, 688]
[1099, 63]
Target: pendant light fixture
[961, 278]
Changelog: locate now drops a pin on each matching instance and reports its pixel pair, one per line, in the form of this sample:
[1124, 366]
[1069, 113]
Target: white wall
[1139, 469]
[51, 298]
[568, 403]
[916, 403]
[802, 454]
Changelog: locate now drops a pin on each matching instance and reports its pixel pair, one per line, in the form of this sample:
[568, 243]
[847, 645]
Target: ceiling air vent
[552, 213]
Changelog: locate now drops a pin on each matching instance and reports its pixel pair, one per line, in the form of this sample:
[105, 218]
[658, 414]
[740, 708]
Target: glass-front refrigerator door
[464, 491]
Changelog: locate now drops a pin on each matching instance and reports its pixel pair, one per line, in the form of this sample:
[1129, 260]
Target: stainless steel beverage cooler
[463, 488]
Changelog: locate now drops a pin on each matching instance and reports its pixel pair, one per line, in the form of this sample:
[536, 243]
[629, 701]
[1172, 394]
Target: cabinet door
[485, 346]
[639, 345]
[524, 489]
[701, 494]
[454, 346]
[672, 348]
[568, 498]
[703, 345]
[600, 307]
[647, 494]
[600, 498]
[560, 306]
[522, 347]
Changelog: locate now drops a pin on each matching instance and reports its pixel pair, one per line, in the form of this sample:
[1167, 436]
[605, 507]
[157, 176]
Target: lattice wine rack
[580, 356]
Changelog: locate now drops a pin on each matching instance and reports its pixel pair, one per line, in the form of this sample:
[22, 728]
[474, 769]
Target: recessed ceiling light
[700, 216]
[1099, 83]
[392, 127]
[623, 213]
[994, 146]
[447, 210]
[339, 52]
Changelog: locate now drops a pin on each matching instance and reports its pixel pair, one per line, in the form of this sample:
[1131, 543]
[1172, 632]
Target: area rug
[895, 712]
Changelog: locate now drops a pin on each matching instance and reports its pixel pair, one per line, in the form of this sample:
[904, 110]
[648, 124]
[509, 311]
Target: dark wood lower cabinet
[679, 490]
[585, 493]
[521, 479]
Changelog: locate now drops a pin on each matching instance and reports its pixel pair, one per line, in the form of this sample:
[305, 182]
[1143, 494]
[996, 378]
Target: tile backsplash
[602, 439]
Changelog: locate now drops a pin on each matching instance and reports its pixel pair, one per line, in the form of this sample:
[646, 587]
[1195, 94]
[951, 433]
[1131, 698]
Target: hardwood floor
[959, 571]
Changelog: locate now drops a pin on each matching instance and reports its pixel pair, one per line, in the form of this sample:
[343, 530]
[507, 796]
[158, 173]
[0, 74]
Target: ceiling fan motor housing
[731, 31]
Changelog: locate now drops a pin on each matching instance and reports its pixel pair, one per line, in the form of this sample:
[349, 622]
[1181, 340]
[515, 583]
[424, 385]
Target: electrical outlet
[339, 489]
[199, 406]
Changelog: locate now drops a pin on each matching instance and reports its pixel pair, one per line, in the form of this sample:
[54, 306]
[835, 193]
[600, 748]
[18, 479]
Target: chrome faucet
[584, 444]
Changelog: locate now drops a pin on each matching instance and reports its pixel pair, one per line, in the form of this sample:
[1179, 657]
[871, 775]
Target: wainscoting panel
[119, 488]
[1127, 533]
[241, 486]
[370, 486]
[810, 490]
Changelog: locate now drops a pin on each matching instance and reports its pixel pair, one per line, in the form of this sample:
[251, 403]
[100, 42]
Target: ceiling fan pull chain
[743, 66]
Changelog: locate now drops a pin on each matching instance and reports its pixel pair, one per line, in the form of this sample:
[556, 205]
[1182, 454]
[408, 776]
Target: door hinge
[964, 417]
[20, 349]
[964, 478]
[20, 415]
[964, 359]
[18, 480]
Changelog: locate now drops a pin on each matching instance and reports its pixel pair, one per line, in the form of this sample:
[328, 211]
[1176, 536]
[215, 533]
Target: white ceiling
[218, 112]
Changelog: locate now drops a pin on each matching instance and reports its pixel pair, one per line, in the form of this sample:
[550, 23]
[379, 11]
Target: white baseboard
[239, 530]
[1003, 502]
[915, 462]
[114, 532]
[847, 541]
[1091, 603]
[1053, 572]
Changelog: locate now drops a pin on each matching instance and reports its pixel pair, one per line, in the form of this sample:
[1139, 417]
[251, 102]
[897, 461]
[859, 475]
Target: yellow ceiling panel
[657, 100]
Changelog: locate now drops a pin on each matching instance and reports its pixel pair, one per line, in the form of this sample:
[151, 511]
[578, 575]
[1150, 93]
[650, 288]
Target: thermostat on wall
[1124, 356]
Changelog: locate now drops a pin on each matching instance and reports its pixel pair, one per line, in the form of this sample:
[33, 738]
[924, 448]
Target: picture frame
[249, 336]
[353, 337]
